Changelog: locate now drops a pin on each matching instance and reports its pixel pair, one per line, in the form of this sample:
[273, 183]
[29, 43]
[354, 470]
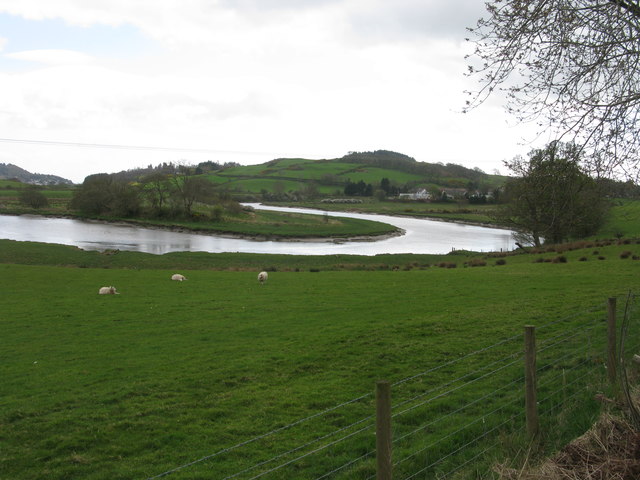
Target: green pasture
[136, 384]
[49, 192]
[10, 184]
[257, 185]
[292, 170]
[624, 219]
[374, 175]
[452, 211]
[265, 223]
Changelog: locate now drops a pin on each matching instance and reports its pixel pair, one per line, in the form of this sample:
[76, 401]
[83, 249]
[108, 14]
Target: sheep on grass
[107, 291]
[262, 277]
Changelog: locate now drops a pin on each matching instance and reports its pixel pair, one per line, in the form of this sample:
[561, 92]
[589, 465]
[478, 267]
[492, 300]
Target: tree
[551, 197]
[385, 185]
[31, 196]
[104, 194]
[94, 196]
[125, 200]
[360, 188]
[156, 189]
[188, 189]
[309, 191]
[571, 65]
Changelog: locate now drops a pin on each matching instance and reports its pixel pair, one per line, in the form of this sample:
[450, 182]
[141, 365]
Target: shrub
[582, 259]
[501, 261]
[477, 262]
[33, 197]
[217, 214]
[560, 259]
[447, 265]
[625, 254]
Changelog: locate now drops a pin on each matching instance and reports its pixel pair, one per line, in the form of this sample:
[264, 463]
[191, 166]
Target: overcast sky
[240, 80]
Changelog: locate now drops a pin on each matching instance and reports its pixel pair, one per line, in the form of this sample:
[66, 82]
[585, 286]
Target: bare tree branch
[572, 66]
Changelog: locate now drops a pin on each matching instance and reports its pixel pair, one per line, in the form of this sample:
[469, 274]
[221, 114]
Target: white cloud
[51, 57]
[310, 78]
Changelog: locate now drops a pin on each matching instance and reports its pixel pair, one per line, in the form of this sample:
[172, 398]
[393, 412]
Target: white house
[421, 194]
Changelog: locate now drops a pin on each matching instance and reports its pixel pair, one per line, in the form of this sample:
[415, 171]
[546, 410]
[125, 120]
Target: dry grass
[610, 450]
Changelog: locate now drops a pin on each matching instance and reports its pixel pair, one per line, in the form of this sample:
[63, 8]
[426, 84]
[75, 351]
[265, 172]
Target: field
[136, 384]
[624, 219]
[264, 223]
[314, 170]
[292, 174]
[456, 212]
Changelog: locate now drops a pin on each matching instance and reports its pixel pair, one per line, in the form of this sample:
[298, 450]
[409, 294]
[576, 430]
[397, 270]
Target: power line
[130, 147]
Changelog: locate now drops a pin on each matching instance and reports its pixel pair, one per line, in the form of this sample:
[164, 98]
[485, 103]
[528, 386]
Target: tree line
[168, 193]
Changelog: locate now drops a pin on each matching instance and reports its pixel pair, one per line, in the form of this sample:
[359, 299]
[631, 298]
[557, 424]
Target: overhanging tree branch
[574, 63]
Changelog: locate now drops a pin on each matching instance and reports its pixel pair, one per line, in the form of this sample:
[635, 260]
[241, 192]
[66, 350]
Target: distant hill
[332, 175]
[9, 171]
[398, 161]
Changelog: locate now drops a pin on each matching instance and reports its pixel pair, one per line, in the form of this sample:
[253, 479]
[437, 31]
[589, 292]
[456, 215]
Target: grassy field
[133, 385]
[624, 219]
[291, 172]
[460, 212]
[264, 223]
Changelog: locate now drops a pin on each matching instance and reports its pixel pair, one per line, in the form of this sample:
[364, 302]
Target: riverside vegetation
[136, 384]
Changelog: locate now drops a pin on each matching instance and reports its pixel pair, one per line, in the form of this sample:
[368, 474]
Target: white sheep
[178, 277]
[262, 277]
[107, 291]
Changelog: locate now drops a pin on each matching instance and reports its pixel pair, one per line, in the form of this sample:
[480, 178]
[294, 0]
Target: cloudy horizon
[90, 87]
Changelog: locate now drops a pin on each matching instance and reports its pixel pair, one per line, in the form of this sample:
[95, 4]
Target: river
[421, 236]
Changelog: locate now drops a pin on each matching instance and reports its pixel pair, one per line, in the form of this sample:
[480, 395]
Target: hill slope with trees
[8, 171]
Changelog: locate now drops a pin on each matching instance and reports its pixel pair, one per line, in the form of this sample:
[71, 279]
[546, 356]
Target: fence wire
[452, 434]
[458, 450]
[308, 444]
[459, 387]
[576, 356]
[457, 360]
[458, 410]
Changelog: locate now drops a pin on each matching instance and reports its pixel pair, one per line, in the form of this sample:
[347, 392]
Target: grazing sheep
[178, 277]
[107, 291]
[262, 277]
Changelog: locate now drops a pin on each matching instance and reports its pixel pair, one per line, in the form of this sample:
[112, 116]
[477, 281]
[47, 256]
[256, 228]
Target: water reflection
[421, 236]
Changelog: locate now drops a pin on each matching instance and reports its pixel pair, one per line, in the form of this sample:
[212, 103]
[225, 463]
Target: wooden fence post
[383, 430]
[531, 406]
[611, 342]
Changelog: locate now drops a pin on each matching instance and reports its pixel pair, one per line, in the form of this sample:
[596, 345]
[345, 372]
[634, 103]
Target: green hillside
[331, 176]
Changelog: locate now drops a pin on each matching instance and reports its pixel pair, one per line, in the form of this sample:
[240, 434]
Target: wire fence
[452, 419]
